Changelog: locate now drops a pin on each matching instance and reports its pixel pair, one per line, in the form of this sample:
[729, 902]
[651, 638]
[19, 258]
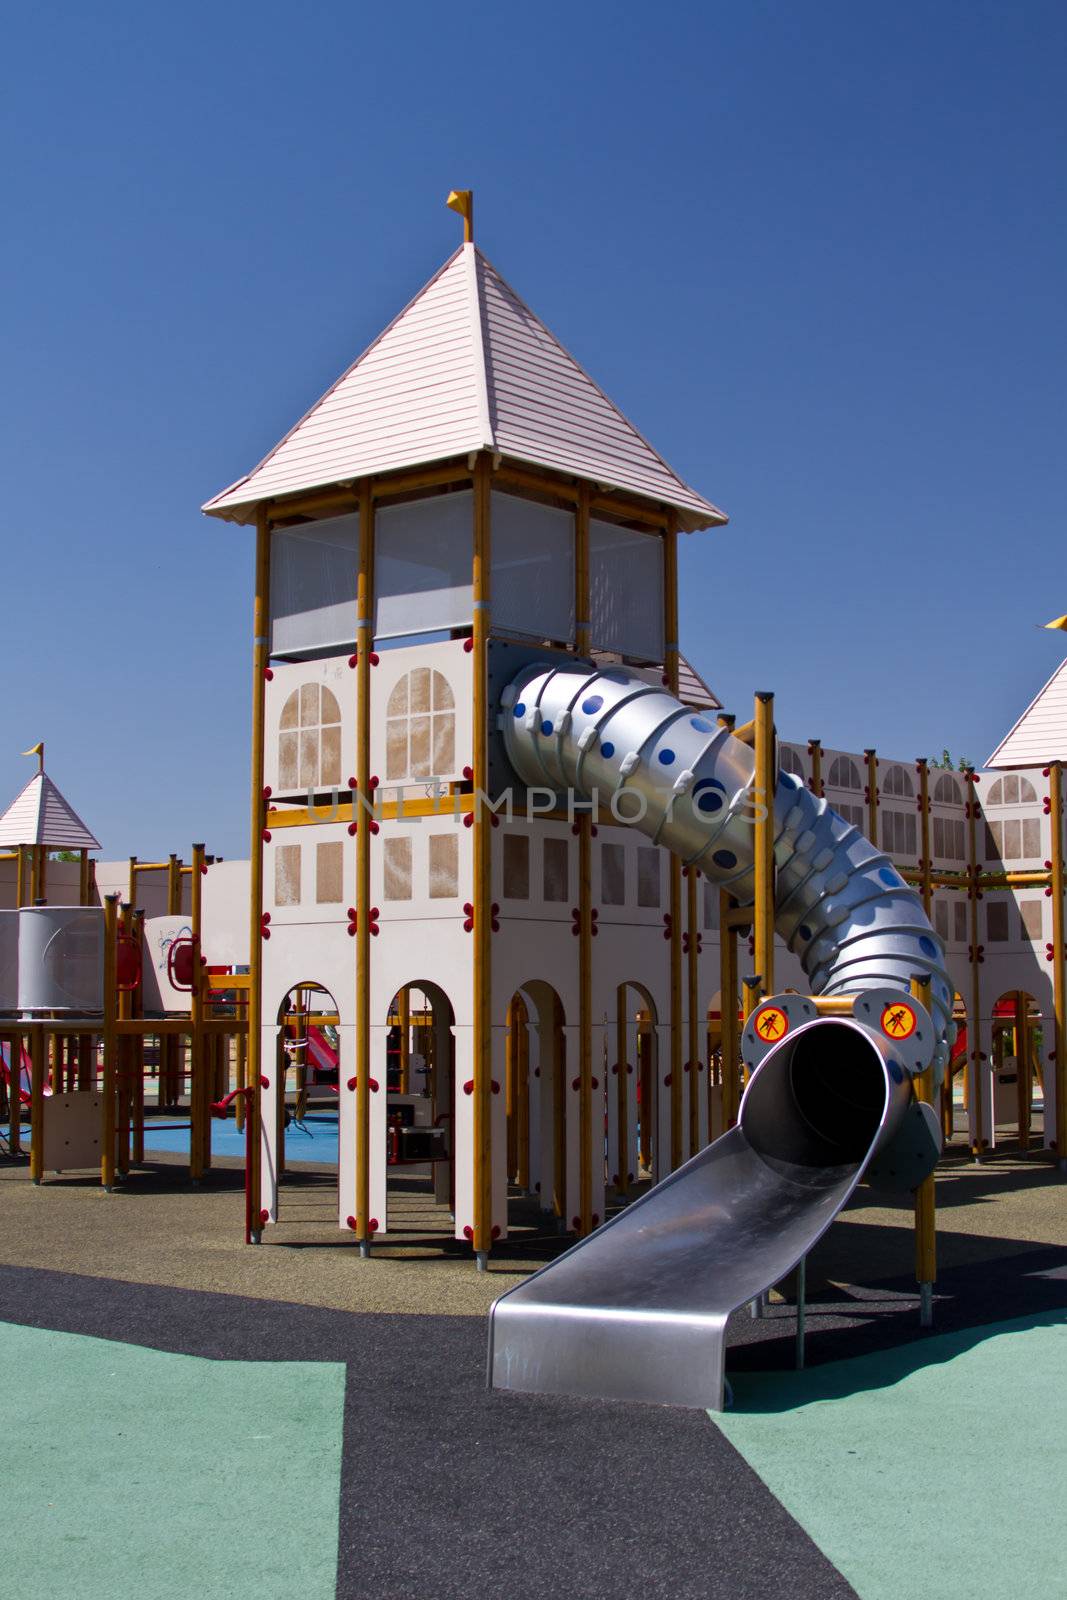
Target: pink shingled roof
[40, 815]
[466, 366]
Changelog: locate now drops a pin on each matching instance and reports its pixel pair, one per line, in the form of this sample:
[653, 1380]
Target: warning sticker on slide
[771, 1024]
[898, 1021]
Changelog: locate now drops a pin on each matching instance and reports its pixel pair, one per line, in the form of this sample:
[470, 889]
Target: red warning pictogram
[899, 1021]
[771, 1024]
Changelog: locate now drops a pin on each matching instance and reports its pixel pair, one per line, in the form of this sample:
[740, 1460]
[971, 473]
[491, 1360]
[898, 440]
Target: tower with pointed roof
[38, 820]
[462, 498]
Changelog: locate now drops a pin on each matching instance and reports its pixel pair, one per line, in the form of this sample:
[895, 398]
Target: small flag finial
[1057, 622]
[38, 751]
[462, 200]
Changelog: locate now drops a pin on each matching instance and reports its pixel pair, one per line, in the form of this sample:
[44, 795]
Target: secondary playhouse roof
[465, 367]
[40, 815]
[1040, 735]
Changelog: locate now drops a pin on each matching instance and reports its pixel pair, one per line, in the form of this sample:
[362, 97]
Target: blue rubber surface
[315, 1139]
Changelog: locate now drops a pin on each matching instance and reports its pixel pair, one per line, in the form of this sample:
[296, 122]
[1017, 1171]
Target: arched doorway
[633, 1093]
[1016, 1054]
[542, 1139]
[300, 1106]
[420, 1100]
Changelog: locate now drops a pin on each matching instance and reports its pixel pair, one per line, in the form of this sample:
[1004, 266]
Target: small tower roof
[1040, 735]
[467, 366]
[40, 815]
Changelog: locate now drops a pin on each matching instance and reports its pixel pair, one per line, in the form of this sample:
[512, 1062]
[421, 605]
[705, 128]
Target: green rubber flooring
[134, 1471]
[929, 1470]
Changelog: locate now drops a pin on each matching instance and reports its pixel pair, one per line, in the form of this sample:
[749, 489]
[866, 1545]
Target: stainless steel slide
[638, 1309]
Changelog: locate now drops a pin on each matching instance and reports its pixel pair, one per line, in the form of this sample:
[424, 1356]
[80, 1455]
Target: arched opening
[542, 1152]
[1018, 1089]
[632, 1155]
[301, 1109]
[420, 1101]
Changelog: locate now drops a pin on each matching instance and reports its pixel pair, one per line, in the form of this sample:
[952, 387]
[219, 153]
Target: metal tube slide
[638, 1310]
[840, 904]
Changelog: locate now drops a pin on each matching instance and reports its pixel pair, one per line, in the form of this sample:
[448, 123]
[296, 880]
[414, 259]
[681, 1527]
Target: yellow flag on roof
[1057, 622]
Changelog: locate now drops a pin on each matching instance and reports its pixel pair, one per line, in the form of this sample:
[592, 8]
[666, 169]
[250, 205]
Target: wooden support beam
[260, 658]
[695, 1073]
[364, 1072]
[1059, 977]
[764, 785]
[482, 890]
[728, 1012]
[107, 1137]
[974, 1021]
[925, 1205]
[670, 673]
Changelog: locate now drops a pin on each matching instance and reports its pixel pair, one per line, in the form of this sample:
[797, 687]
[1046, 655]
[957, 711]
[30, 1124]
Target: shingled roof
[467, 366]
[41, 816]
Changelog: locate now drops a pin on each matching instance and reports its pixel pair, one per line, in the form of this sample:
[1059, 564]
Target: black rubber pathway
[448, 1490]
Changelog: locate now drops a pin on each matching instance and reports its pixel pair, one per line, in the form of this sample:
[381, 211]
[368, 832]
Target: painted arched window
[420, 727]
[947, 791]
[844, 774]
[1012, 790]
[309, 740]
[897, 781]
[789, 761]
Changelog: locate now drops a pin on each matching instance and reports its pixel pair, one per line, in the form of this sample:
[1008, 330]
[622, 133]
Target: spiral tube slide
[638, 1310]
[840, 904]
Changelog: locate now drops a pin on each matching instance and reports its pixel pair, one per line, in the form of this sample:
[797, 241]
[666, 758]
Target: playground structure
[456, 929]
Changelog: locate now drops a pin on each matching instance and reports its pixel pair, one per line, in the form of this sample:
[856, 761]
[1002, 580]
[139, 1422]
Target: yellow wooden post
[586, 1131]
[364, 650]
[728, 1011]
[622, 1093]
[107, 1141]
[694, 1071]
[765, 783]
[521, 1113]
[136, 1056]
[258, 807]
[976, 1095]
[870, 758]
[482, 890]
[1023, 1082]
[37, 1063]
[403, 1008]
[83, 878]
[670, 673]
[815, 782]
[1059, 979]
[36, 886]
[925, 863]
[199, 1054]
[585, 1027]
[925, 1205]
[22, 888]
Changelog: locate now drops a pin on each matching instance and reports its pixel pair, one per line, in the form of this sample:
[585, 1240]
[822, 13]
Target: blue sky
[816, 251]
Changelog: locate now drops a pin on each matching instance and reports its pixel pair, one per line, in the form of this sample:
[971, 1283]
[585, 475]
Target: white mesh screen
[533, 568]
[626, 590]
[313, 586]
[422, 565]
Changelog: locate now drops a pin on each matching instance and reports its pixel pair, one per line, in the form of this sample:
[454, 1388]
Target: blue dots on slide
[520, 709]
[927, 946]
[896, 1071]
[725, 859]
[546, 728]
[666, 758]
[594, 703]
[709, 796]
[804, 931]
[889, 877]
[607, 749]
[701, 724]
